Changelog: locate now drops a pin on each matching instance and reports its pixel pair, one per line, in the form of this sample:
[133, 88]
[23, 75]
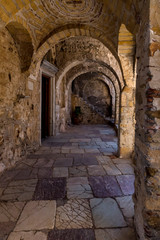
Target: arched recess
[23, 43]
[69, 31]
[74, 70]
[97, 76]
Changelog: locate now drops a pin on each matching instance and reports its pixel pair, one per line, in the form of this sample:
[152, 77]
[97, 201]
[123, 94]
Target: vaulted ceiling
[42, 17]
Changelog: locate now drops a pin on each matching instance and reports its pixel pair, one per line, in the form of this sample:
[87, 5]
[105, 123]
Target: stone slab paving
[127, 206]
[78, 187]
[79, 171]
[73, 188]
[96, 170]
[111, 169]
[50, 189]
[115, 234]
[72, 234]
[63, 162]
[31, 235]
[44, 172]
[106, 186]
[125, 168]
[75, 213]
[85, 160]
[19, 190]
[60, 172]
[126, 183]
[37, 215]
[10, 211]
[106, 213]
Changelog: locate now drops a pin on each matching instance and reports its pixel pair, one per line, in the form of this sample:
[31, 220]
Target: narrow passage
[73, 188]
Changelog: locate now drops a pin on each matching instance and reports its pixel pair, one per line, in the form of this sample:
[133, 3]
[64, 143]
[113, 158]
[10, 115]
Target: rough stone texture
[37, 215]
[78, 188]
[79, 171]
[71, 234]
[19, 190]
[106, 213]
[127, 206]
[60, 172]
[34, 235]
[93, 98]
[96, 170]
[74, 214]
[13, 125]
[116, 234]
[6, 228]
[106, 30]
[50, 189]
[126, 183]
[89, 115]
[147, 157]
[9, 212]
[33, 219]
[106, 186]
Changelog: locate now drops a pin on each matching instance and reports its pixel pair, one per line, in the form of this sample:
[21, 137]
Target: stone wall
[18, 111]
[147, 141]
[88, 114]
[95, 92]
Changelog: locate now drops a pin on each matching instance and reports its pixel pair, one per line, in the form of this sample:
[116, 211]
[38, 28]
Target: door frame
[48, 70]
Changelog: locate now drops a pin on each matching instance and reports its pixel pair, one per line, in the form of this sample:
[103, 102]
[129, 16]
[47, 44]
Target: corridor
[73, 188]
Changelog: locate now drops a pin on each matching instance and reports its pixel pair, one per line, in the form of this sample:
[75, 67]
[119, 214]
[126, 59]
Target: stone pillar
[126, 51]
[127, 110]
[147, 140]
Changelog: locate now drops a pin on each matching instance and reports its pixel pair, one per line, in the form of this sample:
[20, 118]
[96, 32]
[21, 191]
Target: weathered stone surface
[125, 168]
[72, 234]
[106, 186]
[60, 172]
[96, 170]
[78, 188]
[50, 189]
[27, 173]
[63, 162]
[97, 185]
[74, 214]
[6, 228]
[111, 169]
[28, 235]
[20, 190]
[7, 177]
[37, 215]
[104, 160]
[126, 183]
[127, 206]
[116, 234]
[45, 172]
[79, 171]
[44, 162]
[106, 213]
[84, 36]
[9, 212]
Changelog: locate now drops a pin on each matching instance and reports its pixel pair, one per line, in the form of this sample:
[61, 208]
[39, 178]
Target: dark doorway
[45, 111]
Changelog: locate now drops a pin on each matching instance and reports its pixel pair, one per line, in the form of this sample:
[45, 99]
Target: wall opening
[46, 107]
[92, 96]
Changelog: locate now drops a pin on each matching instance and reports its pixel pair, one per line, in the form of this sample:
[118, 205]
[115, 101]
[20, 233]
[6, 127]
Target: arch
[74, 75]
[23, 43]
[74, 70]
[87, 48]
[100, 77]
[88, 64]
[69, 31]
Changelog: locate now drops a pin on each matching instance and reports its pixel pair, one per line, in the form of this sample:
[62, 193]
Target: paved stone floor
[72, 188]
